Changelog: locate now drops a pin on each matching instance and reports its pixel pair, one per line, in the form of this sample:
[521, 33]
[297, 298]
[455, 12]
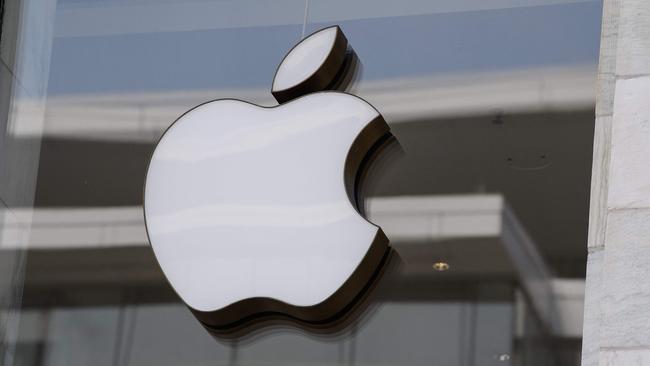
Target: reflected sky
[240, 57]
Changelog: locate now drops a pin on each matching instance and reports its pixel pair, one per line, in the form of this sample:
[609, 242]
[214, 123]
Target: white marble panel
[625, 318]
[592, 312]
[631, 357]
[629, 179]
[609, 22]
[633, 54]
[605, 94]
[607, 58]
[599, 180]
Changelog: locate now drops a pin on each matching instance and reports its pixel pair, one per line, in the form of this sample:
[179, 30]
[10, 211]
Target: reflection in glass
[491, 102]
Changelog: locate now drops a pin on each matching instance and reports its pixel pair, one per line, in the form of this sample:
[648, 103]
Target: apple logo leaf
[313, 64]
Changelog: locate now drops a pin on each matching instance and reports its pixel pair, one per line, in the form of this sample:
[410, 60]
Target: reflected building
[492, 103]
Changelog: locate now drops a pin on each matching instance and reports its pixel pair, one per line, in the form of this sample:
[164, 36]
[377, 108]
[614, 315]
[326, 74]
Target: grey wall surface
[617, 312]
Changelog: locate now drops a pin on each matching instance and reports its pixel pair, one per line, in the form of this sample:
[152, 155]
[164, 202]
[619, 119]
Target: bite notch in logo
[253, 212]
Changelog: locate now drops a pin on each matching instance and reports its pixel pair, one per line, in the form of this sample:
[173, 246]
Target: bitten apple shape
[251, 210]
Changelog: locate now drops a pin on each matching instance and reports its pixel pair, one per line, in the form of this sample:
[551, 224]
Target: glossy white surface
[243, 201]
[304, 59]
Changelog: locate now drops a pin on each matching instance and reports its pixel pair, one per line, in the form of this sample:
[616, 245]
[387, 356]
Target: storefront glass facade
[491, 102]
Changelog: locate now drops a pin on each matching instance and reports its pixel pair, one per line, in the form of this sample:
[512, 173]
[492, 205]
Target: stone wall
[617, 306]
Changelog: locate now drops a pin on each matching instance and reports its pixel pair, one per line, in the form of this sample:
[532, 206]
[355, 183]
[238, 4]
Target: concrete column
[617, 303]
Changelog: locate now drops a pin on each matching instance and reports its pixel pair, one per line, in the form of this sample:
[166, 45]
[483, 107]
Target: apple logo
[252, 212]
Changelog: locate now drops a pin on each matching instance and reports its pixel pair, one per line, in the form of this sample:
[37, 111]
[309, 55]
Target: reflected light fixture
[441, 266]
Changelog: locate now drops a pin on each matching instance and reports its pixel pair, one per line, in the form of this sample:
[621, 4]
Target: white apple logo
[249, 209]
